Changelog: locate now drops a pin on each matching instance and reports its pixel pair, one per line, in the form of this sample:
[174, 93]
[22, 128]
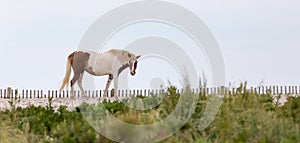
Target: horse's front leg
[110, 78]
[116, 86]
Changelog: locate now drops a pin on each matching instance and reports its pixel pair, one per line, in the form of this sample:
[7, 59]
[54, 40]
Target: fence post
[38, 93]
[222, 90]
[11, 93]
[53, 93]
[23, 93]
[107, 93]
[8, 92]
[67, 93]
[112, 93]
[42, 94]
[29, 93]
[4, 93]
[26, 94]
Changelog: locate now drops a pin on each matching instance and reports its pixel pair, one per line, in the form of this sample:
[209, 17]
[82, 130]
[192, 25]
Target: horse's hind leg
[110, 78]
[73, 81]
[79, 83]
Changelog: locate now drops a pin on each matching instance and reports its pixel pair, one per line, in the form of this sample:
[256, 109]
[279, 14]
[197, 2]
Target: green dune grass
[242, 117]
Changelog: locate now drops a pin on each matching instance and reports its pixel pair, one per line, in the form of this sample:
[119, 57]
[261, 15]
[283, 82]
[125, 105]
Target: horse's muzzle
[132, 73]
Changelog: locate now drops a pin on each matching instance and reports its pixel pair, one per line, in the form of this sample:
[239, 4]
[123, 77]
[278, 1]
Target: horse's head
[133, 63]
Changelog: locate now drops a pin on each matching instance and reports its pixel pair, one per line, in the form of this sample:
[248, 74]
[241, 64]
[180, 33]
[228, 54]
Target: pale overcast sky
[259, 39]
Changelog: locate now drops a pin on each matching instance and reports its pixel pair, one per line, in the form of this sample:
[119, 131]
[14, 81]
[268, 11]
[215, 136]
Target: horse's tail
[68, 72]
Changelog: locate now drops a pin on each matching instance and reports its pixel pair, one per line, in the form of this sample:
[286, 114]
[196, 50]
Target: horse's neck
[120, 55]
[122, 60]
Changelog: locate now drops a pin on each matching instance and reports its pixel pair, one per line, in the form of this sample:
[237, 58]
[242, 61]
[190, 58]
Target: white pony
[110, 63]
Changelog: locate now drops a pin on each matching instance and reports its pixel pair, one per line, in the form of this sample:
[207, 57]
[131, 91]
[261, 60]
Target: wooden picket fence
[8, 92]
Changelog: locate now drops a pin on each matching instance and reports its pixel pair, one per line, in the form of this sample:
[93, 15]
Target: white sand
[71, 103]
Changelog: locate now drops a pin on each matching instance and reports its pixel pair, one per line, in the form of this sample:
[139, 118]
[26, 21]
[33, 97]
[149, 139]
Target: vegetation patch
[242, 117]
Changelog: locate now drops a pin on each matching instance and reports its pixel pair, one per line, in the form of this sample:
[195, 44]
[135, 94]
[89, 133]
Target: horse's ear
[129, 55]
[137, 57]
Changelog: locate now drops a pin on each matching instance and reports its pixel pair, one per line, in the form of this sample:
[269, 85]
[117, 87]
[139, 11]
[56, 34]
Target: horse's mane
[121, 54]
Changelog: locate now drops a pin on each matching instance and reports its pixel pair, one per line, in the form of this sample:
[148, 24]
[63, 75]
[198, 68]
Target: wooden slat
[134, 93]
[38, 93]
[97, 93]
[11, 94]
[4, 93]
